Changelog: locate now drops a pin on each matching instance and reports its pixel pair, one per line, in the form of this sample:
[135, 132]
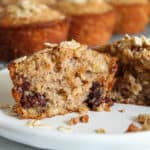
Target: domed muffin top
[27, 12]
[78, 7]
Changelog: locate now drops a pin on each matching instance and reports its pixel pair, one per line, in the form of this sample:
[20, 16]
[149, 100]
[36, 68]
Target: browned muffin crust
[132, 16]
[24, 40]
[61, 79]
[94, 29]
[92, 24]
[26, 26]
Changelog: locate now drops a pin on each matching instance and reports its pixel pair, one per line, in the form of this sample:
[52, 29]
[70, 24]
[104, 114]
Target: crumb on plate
[100, 131]
[76, 120]
[65, 129]
[121, 110]
[133, 128]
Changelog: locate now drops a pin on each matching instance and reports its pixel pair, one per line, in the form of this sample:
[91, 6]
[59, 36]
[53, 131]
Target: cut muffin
[92, 21]
[61, 79]
[132, 15]
[133, 77]
[24, 28]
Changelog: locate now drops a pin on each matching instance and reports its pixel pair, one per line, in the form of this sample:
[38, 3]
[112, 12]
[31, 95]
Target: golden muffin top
[78, 7]
[27, 12]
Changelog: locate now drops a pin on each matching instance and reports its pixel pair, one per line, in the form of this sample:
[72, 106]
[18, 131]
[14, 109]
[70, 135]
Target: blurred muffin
[6, 2]
[26, 26]
[149, 8]
[92, 21]
[132, 15]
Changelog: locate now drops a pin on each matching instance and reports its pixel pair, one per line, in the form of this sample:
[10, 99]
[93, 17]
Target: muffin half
[61, 79]
[92, 21]
[26, 26]
[132, 15]
[133, 76]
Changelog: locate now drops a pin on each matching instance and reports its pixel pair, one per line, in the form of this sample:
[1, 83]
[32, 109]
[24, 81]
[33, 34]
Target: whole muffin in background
[132, 15]
[149, 8]
[92, 21]
[27, 25]
[7, 2]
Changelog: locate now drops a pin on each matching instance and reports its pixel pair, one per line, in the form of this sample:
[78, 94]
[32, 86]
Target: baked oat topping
[27, 12]
[83, 7]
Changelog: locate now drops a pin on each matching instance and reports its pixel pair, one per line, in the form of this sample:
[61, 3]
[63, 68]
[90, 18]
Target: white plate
[82, 135]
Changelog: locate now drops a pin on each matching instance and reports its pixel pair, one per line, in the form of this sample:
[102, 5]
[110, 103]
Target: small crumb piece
[144, 119]
[100, 131]
[73, 121]
[32, 123]
[121, 110]
[84, 119]
[36, 123]
[64, 129]
[133, 128]
[76, 120]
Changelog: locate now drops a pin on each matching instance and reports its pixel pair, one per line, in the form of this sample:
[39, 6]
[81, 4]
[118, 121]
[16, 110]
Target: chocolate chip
[34, 100]
[93, 99]
[25, 85]
[96, 97]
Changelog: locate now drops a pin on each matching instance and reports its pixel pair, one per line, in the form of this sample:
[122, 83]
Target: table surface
[9, 145]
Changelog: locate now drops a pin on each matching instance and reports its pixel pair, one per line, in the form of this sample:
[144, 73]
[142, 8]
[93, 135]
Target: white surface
[82, 135]
[10, 145]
